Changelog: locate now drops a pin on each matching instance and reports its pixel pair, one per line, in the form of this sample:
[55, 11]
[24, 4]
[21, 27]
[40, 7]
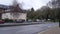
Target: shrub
[8, 20]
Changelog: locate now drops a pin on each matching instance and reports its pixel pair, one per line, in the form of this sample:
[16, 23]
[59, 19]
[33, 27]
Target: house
[14, 13]
[14, 16]
[2, 9]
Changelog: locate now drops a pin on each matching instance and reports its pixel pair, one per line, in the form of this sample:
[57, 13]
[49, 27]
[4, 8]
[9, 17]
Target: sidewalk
[54, 30]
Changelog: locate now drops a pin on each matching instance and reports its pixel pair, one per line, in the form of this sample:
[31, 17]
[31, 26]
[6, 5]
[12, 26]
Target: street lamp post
[0, 15]
[58, 15]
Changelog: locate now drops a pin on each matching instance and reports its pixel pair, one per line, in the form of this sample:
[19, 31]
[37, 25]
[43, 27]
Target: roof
[3, 6]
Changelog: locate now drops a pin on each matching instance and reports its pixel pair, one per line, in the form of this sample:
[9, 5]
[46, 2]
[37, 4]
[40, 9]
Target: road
[27, 29]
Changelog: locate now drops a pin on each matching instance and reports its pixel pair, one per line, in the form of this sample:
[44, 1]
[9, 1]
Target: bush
[8, 20]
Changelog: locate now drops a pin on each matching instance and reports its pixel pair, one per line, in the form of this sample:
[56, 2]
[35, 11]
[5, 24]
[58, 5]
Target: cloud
[27, 3]
[34, 3]
[5, 2]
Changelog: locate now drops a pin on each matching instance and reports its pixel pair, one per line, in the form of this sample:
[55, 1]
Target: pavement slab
[54, 30]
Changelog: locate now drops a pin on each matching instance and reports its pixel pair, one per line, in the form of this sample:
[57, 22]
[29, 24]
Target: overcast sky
[27, 3]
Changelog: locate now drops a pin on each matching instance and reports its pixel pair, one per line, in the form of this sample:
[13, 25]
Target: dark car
[2, 21]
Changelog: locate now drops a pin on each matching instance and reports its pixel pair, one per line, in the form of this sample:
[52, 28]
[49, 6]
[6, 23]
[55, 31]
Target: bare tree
[56, 5]
[16, 9]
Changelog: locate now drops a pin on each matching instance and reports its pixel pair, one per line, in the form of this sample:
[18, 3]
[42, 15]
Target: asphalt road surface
[27, 29]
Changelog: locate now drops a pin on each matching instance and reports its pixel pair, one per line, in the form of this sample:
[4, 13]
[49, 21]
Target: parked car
[2, 21]
[30, 20]
[20, 21]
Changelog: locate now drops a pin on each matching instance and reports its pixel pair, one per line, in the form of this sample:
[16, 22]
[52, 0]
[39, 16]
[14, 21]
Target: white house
[14, 16]
[14, 12]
